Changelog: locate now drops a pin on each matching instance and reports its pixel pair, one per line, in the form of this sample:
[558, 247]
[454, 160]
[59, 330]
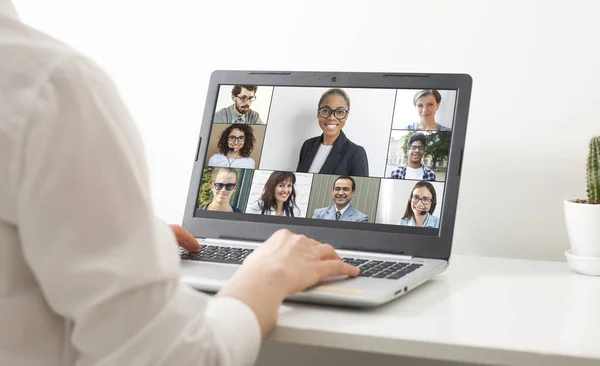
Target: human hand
[298, 262]
[283, 265]
[185, 239]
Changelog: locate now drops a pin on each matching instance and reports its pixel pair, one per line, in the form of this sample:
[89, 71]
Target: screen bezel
[416, 242]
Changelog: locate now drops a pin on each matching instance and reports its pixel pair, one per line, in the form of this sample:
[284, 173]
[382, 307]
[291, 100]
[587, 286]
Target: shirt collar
[343, 209]
[7, 9]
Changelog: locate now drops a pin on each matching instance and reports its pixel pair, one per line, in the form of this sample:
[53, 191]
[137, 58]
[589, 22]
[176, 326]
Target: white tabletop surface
[481, 310]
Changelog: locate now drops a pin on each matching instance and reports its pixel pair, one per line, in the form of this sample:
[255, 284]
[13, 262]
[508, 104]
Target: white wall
[534, 103]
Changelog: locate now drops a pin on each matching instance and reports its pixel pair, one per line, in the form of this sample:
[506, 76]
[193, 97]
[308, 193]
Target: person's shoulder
[253, 116]
[322, 210]
[362, 214]
[41, 61]
[349, 144]
[248, 163]
[310, 141]
[221, 111]
[221, 116]
[216, 158]
[36, 47]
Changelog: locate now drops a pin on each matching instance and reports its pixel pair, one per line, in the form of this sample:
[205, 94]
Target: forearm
[261, 291]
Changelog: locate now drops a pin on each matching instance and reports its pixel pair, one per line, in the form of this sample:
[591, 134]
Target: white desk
[489, 311]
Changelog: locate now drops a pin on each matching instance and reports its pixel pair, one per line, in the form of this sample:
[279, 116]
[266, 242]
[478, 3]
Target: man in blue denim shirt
[414, 168]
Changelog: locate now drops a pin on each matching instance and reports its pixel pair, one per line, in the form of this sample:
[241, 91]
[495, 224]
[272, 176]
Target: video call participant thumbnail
[427, 103]
[239, 111]
[344, 189]
[414, 168]
[332, 152]
[235, 146]
[223, 185]
[278, 196]
[420, 207]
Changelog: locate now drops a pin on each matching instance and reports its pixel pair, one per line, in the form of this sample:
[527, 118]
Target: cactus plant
[593, 171]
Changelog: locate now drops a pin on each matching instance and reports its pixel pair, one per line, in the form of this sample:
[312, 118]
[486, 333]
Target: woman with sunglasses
[278, 196]
[223, 185]
[235, 146]
[332, 152]
[420, 207]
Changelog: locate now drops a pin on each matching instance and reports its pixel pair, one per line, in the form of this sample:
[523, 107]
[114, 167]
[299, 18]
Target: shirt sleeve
[102, 260]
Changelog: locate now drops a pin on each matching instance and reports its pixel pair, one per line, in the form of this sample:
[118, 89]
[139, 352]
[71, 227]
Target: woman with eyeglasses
[223, 185]
[235, 146]
[332, 152]
[420, 207]
[278, 196]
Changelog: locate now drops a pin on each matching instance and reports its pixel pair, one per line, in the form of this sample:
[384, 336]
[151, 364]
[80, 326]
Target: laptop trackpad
[206, 275]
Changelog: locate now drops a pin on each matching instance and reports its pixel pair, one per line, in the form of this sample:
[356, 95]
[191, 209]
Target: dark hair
[436, 94]
[249, 140]
[417, 137]
[216, 172]
[346, 177]
[267, 199]
[408, 213]
[339, 92]
[237, 89]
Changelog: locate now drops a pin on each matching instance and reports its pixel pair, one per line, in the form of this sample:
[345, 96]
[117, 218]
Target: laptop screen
[373, 158]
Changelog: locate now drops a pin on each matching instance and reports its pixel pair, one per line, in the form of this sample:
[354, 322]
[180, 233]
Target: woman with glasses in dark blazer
[332, 152]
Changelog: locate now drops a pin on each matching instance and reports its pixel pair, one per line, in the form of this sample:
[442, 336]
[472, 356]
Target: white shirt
[221, 160]
[255, 209]
[88, 276]
[320, 158]
[414, 173]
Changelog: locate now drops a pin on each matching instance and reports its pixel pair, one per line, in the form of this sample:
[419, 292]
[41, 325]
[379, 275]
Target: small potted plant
[582, 218]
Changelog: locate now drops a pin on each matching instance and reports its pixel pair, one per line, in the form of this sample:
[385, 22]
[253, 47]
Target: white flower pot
[583, 228]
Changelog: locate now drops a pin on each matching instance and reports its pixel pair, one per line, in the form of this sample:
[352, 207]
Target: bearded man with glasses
[239, 111]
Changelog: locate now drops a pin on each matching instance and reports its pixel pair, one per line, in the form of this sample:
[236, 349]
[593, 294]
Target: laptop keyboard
[218, 254]
[382, 269]
[368, 268]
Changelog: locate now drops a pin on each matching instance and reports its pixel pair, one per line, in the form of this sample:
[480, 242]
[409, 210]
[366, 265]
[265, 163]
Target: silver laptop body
[383, 118]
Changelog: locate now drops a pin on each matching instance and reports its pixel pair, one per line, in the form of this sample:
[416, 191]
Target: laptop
[367, 162]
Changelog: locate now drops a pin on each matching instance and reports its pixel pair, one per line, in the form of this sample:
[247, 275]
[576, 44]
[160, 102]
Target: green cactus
[593, 171]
